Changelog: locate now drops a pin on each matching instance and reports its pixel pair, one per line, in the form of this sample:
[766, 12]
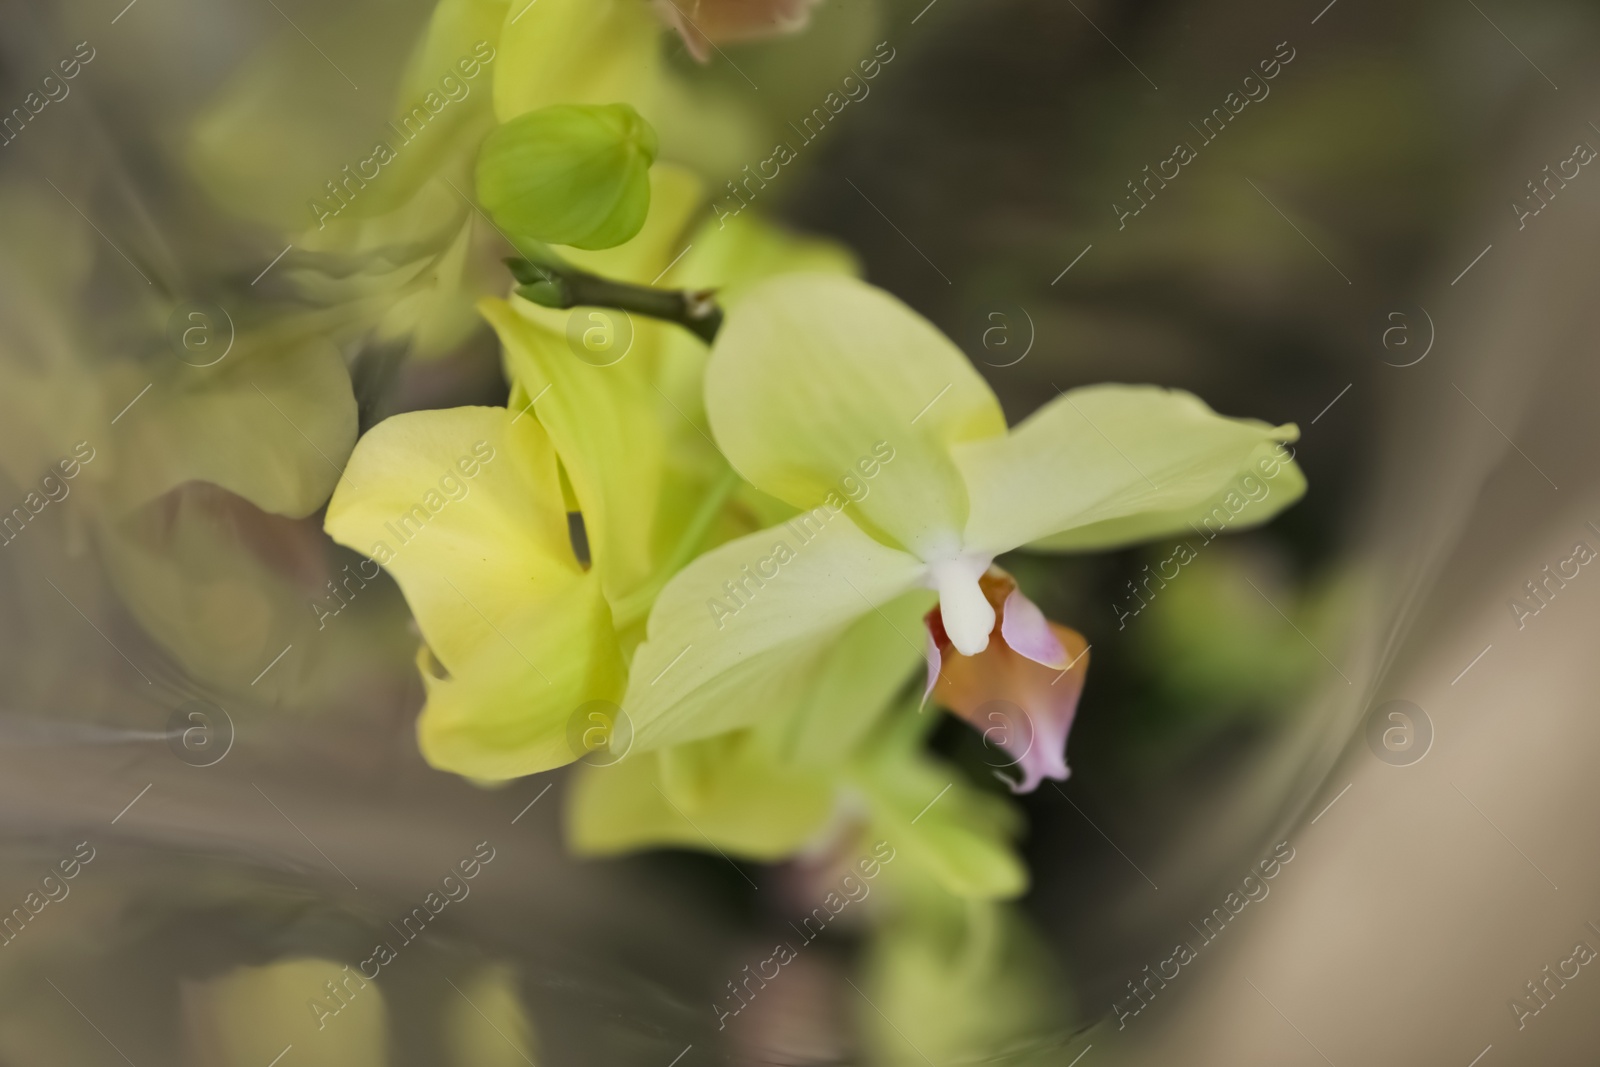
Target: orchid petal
[729, 256]
[463, 507]
[604, 427]
[1027, 632]
[822, 388]
[935, 657]
[575, 52]
[725, 792]
[1267, 483]
[737, 635]
[724, 21]
[457, 38]
[1023, 705]
[922, 807]
[853, 686]
[505, 708]
[272, 422]
[1111, 464]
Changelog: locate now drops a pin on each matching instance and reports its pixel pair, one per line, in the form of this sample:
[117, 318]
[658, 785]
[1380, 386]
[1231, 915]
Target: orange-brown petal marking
[1022, 691]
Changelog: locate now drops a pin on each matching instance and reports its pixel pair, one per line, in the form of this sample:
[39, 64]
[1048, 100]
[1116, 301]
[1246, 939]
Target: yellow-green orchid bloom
[520, 633]
[837, 399]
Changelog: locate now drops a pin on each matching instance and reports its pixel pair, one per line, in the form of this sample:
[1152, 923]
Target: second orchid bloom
[834, 519]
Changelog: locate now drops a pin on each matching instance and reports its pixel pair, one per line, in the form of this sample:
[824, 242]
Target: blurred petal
[704, 24]
[962, 981]
[272, 422]
[730, 254]
[250, 1013]
[925, 810]
[736, 636]
[1108, 464]
[460, 36]
[853, 687]
[817, 380]
[415, 272]
[268, 140]
[220, 584]
[574, 52]
[492, 995]
[724, 792]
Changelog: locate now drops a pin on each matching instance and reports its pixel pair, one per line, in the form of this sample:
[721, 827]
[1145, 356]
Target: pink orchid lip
[1036, 667]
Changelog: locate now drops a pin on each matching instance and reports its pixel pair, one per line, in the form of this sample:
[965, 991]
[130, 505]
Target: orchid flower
[814, 381]
[520, 631]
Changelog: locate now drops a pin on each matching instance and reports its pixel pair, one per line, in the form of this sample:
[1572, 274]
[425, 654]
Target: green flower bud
[569, 174]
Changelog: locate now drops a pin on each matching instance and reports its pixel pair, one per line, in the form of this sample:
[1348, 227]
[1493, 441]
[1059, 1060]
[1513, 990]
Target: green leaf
[570, 174]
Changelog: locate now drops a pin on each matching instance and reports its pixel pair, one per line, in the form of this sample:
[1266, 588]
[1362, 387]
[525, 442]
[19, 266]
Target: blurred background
[1383, 698]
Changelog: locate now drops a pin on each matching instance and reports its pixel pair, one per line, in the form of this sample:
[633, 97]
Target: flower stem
[555, 284]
